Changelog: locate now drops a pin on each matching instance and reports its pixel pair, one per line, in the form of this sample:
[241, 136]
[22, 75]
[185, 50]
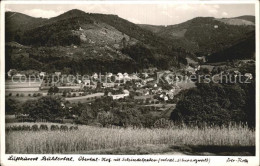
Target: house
[86, 82]
[89, 84]
[95, 75]
[146, 92]
[19, 75]
[126, 91]
[57, 73]
[191, 70]
[197, 68]
[120, 76]
[202, 59]
[248, 75]
[166, 98]
[42, 74]
[134, 77]
[150, 70]
[149, 79]
[126, 77]
[109, 75]
[145, 74]
[11, 72]
[108, 84]
[119, 96]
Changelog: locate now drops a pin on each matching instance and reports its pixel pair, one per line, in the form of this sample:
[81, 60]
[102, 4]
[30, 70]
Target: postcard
[129, 83]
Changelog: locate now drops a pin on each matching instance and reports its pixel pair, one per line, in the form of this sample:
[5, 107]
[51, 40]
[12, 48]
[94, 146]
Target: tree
[48, 108]
[53, 90]
[87, 115]
[11, 107]
[105, 118]
[212, 103]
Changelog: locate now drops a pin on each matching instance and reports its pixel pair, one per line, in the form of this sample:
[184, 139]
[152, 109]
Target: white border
[213, 160]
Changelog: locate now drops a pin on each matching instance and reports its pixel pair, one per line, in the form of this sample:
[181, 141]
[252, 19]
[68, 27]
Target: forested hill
[207, 35]
[244, 49]
[107, 41]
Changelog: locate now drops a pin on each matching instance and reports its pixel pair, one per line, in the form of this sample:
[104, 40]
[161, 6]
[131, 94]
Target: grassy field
[89, 140]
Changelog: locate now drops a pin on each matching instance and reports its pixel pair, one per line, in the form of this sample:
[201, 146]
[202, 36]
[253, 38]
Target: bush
[74, 95]
[39, 94]
[34, 95]
[10, 94]
[22, 95]
[43, 127]
[26, 128]
[54, 127]
[17, 95]
[64, 128]
[29, 95]
[74, 128]
[163, 123]
[35, 127]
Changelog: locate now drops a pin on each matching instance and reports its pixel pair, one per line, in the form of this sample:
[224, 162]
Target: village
[151, 87]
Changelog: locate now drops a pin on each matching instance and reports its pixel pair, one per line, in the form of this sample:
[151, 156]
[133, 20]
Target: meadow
[115, 140]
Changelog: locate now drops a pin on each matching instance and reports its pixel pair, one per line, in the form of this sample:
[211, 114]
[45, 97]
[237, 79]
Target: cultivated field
[88, 139]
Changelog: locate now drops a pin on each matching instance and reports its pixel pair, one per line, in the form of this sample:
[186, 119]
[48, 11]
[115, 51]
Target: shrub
[54, 127]
[39, 94]
[10, 94]
[18, 128]
[17, 95]
[74, 128]
[35, 127]
[43, 127]
[64, 128]
[34, 95]
[74, 95]
[22, 95]
[26, 128]
[29, 95]
[8, 129]
[163, 123]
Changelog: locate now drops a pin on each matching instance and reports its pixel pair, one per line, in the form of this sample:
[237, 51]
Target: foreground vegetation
[88, 139]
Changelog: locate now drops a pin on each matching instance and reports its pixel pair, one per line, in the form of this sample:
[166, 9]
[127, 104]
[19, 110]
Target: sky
[154, 14]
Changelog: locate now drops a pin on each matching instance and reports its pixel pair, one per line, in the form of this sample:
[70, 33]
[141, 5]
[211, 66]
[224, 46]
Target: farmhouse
[121, 96]
[42, 74]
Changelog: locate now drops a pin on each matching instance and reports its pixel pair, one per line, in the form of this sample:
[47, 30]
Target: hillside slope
[244, 49]
[83, 37]
[206, 35]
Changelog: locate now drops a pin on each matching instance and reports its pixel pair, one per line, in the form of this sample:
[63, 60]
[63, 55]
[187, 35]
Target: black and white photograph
[124, 79]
